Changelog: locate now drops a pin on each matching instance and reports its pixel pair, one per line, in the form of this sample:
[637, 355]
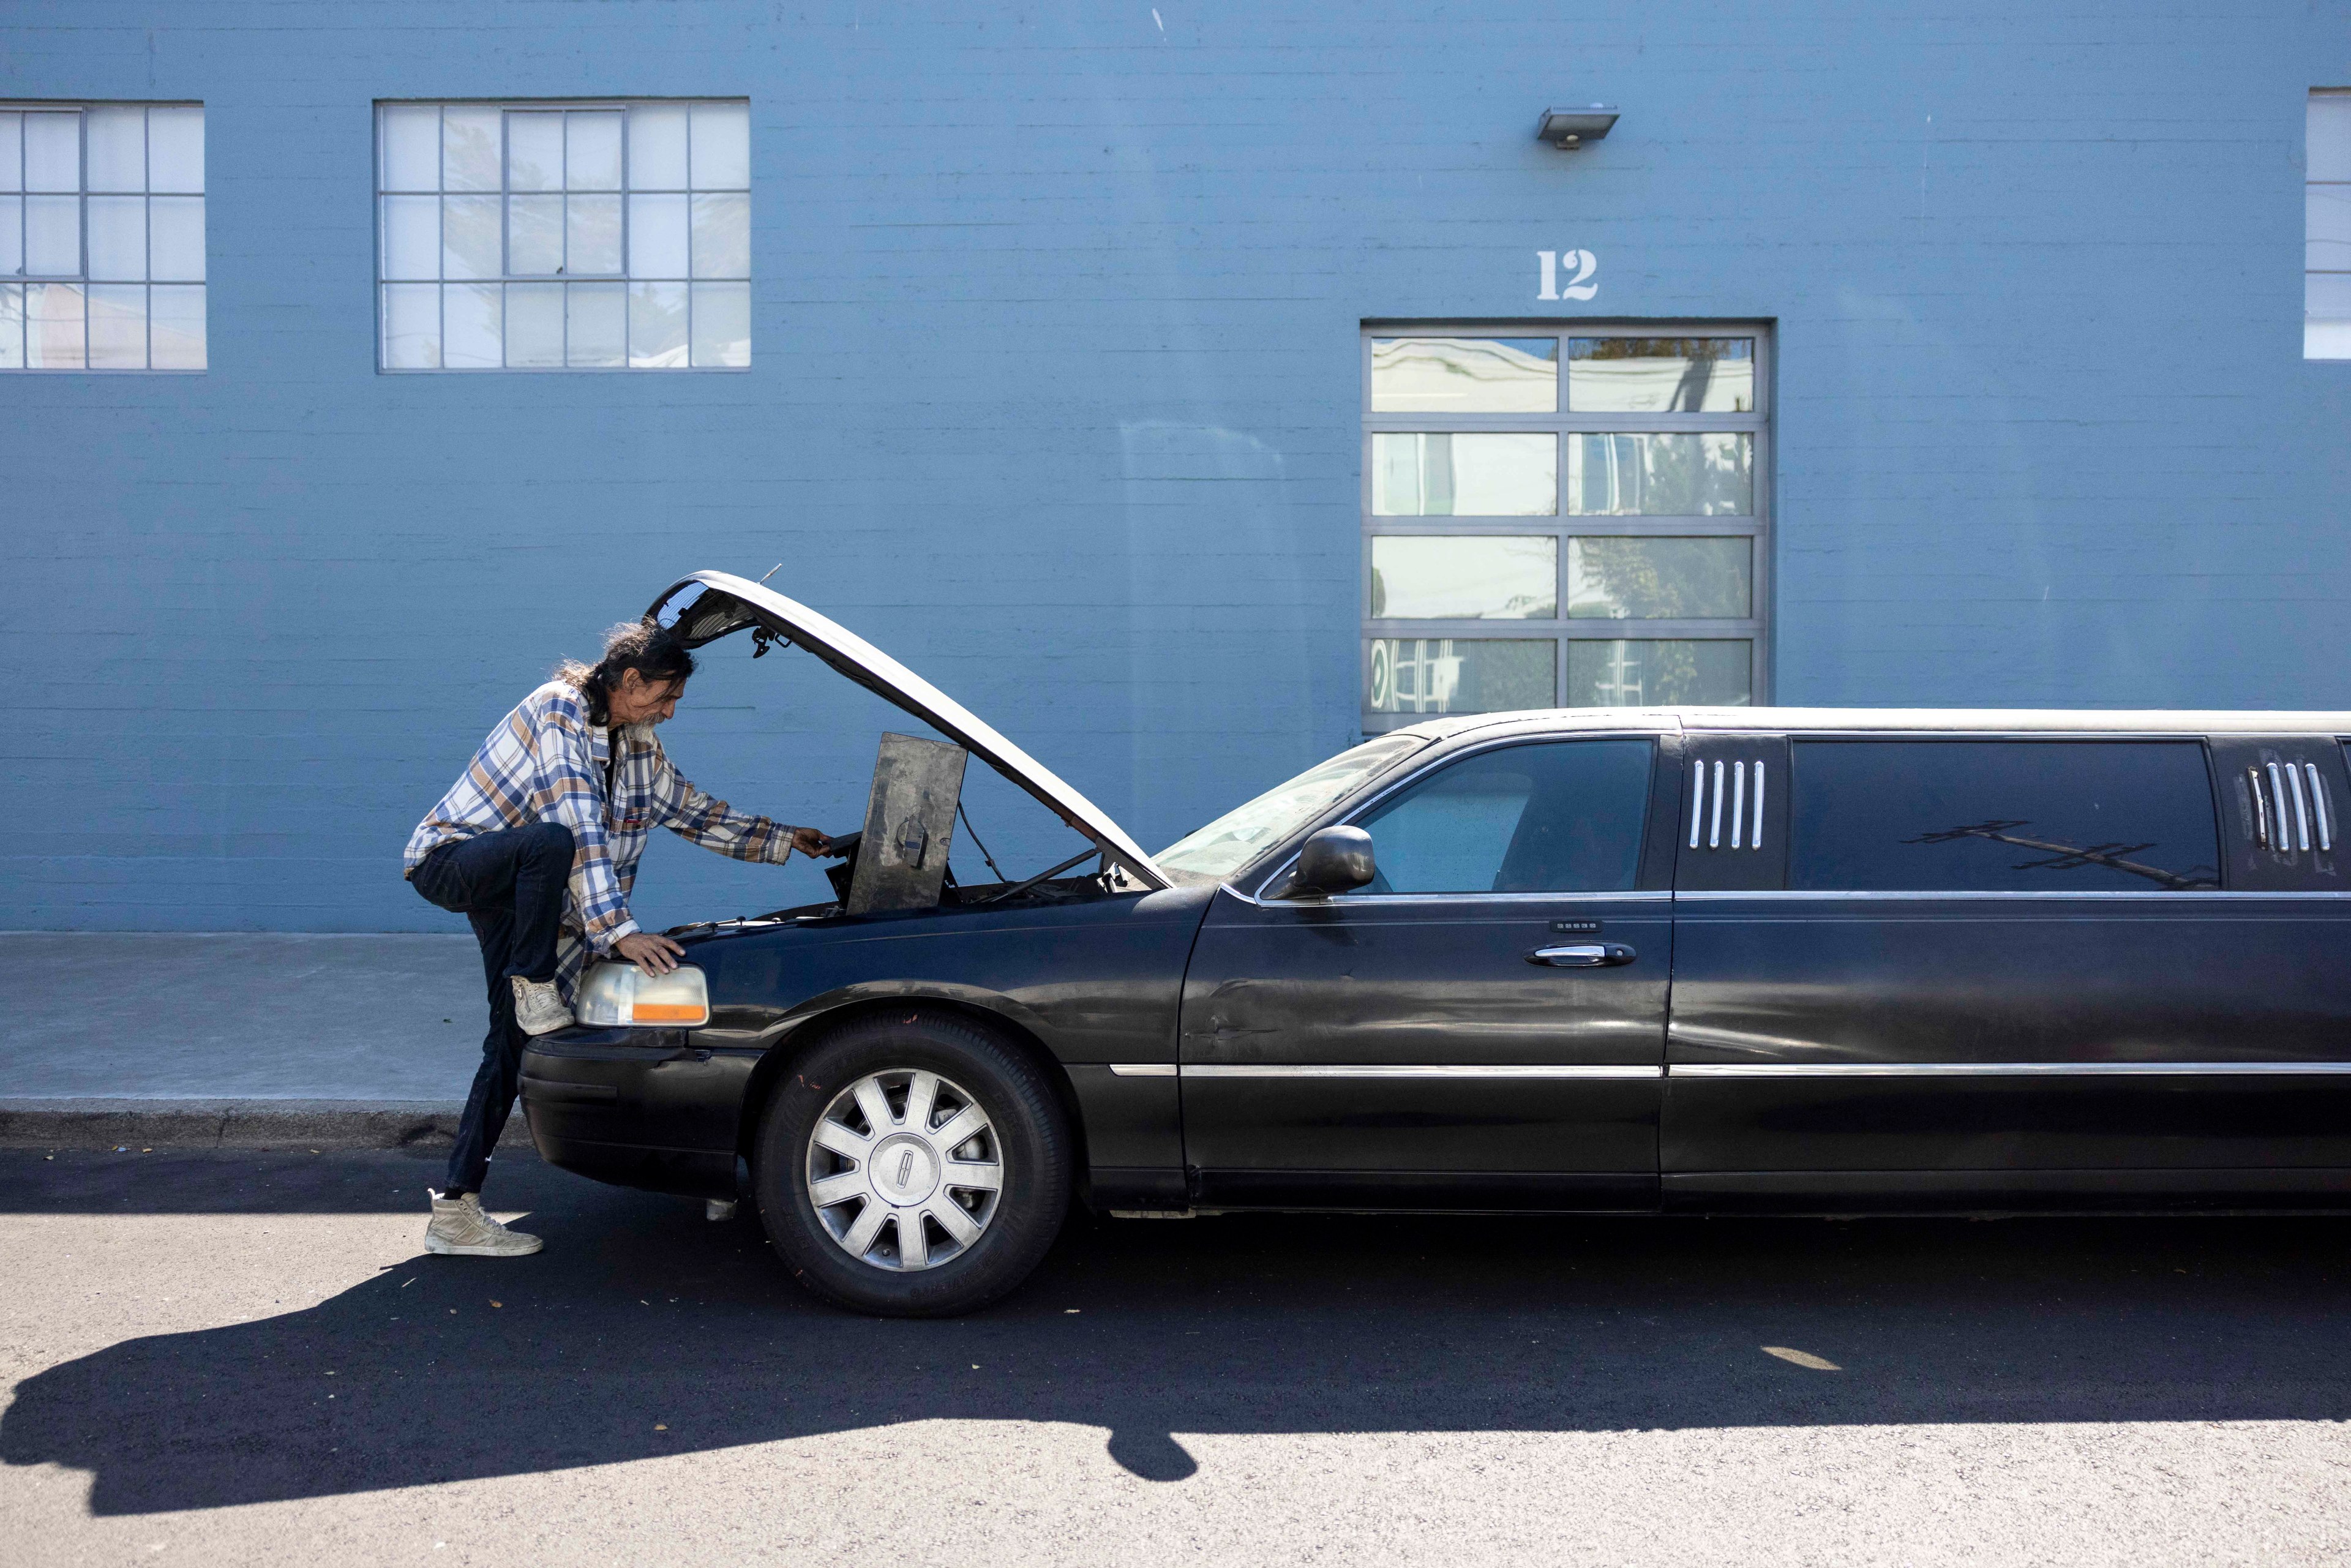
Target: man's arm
[699, 818]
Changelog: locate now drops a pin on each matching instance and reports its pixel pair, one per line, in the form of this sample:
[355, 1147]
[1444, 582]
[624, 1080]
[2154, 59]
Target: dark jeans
[510, 886]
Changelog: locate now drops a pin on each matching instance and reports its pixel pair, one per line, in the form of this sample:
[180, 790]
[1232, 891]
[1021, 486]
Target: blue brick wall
[1055, 395]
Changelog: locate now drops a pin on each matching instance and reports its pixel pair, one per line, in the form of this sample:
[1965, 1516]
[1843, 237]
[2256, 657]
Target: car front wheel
[913, 1164]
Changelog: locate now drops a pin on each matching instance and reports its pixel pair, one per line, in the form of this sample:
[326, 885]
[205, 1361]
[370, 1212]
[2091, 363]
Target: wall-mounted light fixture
[1571, 128]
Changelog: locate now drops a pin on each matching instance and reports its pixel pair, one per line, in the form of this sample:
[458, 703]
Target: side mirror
[1335, 860]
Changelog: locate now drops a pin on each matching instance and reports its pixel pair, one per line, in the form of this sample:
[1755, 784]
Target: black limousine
[1621, 961]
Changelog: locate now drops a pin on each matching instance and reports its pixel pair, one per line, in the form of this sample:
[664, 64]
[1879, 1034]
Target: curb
[238, 1123]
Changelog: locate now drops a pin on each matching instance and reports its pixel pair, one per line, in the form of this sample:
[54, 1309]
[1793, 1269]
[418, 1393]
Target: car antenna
[773, 570]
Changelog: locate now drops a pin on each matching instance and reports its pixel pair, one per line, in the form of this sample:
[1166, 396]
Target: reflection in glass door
[1563, 516]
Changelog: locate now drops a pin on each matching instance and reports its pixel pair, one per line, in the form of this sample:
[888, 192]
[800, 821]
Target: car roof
[1891, 720]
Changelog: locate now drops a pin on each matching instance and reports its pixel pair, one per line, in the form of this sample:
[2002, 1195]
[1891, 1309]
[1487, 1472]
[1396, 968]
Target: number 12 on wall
[1578, 265]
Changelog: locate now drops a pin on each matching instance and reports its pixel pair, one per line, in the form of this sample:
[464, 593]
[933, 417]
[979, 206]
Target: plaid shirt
[544, 762]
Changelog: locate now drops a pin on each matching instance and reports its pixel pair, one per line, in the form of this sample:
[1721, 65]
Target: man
[537, 845]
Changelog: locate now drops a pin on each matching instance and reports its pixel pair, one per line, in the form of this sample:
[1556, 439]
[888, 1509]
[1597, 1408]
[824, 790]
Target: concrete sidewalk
[237, 1039]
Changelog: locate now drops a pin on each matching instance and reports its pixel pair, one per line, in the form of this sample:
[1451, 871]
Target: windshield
[1238, 837]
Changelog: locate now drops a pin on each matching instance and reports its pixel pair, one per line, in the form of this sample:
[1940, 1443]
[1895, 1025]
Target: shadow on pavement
[640, 1316]
[292, 1180]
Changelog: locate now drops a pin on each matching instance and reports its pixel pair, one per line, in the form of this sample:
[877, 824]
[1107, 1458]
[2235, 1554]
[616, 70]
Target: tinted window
[2001, 815]
[1564, 817]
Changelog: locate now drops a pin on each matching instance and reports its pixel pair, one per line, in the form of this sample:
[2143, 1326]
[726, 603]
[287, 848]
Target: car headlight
[624, 994]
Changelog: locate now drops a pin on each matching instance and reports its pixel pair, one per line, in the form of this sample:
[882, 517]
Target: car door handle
[1583, 955]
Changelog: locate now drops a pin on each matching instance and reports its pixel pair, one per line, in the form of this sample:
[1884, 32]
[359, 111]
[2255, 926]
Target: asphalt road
[247, 1357]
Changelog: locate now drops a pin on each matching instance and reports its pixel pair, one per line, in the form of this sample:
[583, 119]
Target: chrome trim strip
[2261, 808]
[2301, 811]
[1698, 799]
[2004, 1069]
[2277, 798]
[2021, 724]
[2318, 805]
[1800, 896]
[1354, 900]
[1142, 1070]
[1756, 839]
[1737, 801]
[1435, 1069]
[1714, 823]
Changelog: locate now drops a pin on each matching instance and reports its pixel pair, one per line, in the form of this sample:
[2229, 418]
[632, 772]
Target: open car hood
[714, 604]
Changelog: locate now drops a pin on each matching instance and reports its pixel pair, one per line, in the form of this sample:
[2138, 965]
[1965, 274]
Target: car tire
[826, 1091]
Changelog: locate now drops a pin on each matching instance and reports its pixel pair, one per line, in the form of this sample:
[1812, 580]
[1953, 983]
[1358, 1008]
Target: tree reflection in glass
[1638, 674]
[1661, 375]
[1659, 578]
[1642, 474]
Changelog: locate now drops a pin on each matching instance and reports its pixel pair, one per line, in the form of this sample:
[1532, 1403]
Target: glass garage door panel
[1661, 375]
[1465, 375]
[1463, 474]
[1660, 579]
[1672, 671]
[1423, 577]
[1599, 491]
[1640, 474]
[1460, 674]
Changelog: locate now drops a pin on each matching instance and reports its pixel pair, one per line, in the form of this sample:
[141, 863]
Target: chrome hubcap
[904, 1170]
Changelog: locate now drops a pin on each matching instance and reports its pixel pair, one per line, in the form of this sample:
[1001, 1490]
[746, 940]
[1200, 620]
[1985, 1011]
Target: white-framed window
[2327, 226]
[605, 235]
[1563, 515]
[101, 236]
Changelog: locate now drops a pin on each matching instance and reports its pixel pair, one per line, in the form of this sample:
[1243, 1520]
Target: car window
[1560, 817]
[1240, 836]
[2001, 815]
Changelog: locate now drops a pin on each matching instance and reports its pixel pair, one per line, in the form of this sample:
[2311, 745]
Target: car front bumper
[636, 1107]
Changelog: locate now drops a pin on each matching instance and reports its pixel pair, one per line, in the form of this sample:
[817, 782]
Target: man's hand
[654, 955]
[808, 841]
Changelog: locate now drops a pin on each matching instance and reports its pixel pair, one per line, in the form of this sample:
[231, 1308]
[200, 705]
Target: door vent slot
[1746, 805]
[2291, 807]
[2300, 809]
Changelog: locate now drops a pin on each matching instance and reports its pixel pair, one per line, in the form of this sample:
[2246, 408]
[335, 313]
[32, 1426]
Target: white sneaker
[460, 1229]
[538, 1006]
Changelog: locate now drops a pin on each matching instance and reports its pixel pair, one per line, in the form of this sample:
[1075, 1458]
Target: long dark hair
[655, 652]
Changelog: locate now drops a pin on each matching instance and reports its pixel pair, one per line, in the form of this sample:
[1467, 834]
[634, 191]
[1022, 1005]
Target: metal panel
[2143, 1031]
[1731, 829]
[902, 855]
[1420, 1070]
